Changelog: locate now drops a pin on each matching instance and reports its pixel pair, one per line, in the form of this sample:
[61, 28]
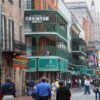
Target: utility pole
[0, 45]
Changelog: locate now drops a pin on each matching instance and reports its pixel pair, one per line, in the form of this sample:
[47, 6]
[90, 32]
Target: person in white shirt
[87, 86]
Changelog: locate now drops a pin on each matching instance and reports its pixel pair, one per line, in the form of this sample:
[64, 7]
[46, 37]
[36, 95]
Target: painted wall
[46, 4]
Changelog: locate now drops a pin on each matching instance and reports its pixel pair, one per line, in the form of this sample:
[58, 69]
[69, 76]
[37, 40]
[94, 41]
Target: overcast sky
[97, 3]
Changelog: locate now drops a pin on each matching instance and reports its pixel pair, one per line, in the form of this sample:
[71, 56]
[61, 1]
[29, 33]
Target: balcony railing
[47, 27]
[51, 51]
[77, 62]
[79, 48]
[71, 60]
[54, 51]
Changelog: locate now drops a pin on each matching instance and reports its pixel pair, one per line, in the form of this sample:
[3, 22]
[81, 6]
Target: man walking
[87, 86]
[8, 90]
[43, 90]
[63, 92]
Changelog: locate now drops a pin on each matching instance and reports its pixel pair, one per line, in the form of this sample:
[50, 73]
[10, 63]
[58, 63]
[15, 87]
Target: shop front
[51, 67]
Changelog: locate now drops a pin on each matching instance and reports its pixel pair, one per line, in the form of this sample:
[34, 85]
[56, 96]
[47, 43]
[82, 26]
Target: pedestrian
[57, 83]
[8, 90]
[63, 93]
[80, 83]
[54, 88]
[87, 86]
[43, 90]
[31, 91]
[0, 92]
[96, 89]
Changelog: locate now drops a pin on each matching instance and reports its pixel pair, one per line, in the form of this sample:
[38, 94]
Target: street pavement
[78, 95]
[81, 96]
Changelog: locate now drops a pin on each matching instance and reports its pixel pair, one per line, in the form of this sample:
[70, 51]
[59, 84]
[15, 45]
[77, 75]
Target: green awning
[84, 70]
[32, 65]
[48, 64]
[63, 65]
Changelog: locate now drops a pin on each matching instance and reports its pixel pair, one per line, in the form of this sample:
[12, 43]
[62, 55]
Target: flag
[94, 59]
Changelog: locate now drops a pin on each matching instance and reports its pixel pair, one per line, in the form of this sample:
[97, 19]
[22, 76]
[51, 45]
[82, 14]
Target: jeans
[87, 89]
[97, 93]
[43, 98]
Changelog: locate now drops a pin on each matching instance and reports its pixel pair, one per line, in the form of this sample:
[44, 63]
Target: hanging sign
[20, 62]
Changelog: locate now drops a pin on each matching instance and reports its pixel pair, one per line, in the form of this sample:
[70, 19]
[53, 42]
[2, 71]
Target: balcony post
[37, 45]
[59, 69]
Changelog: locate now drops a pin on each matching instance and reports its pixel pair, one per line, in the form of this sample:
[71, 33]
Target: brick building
[12, 39]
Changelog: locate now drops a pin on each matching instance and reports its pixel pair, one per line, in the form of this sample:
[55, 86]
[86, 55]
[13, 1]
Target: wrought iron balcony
[49, 51]
[47, 27]
[54, 51]
[79, 46]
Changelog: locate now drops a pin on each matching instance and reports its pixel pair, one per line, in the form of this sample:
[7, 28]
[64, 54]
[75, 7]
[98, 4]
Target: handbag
[95, 89]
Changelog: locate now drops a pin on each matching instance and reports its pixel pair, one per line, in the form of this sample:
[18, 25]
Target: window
[11, 1]
[19, 3]
[20, 32]
[10, 34]
[44, 4]
[27, 27]
[2, 1]
[27, 4]
[4, 32]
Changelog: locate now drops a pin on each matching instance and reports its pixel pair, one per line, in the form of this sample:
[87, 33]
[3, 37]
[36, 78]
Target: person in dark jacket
[8, 90]
[96, 89]
[63, 93]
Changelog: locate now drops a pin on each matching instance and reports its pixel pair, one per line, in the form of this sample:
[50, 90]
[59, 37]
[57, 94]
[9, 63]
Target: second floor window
[27, 4]
[11, 1]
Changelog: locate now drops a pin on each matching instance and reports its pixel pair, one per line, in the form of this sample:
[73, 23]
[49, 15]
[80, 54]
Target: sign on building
[37, 18]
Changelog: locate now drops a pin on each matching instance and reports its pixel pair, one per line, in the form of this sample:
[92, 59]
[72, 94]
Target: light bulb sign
[37, 18]
[20, 62]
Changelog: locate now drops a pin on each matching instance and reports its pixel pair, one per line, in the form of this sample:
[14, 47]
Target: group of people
[43, 90]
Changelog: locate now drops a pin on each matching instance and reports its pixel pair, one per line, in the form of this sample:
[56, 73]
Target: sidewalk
[23, 98]
[30, 98]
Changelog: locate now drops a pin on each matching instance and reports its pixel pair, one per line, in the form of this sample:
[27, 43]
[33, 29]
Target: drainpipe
[0, 45]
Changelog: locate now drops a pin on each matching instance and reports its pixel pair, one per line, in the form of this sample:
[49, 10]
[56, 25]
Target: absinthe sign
[37, 18]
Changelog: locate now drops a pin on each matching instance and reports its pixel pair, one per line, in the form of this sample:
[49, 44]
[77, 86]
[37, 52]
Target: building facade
[54, 40]
[95, 42]
[83, 15]
[12, 39]
[95, 26]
